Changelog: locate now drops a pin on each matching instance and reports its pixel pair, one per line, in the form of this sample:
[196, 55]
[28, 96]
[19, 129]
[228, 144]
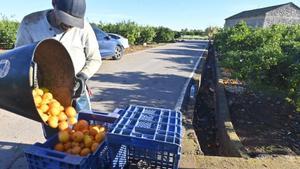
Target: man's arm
[93, 57]
[23, 35]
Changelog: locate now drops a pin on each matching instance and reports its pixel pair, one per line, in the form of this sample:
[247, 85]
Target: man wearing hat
[65, 23]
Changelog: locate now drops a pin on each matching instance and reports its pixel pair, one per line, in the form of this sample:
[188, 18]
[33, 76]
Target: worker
[65, 23]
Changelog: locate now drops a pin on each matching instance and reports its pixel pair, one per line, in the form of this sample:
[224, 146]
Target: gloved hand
[79, 87]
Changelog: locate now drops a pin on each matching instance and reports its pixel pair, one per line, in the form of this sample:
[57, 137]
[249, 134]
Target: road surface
[155, 77]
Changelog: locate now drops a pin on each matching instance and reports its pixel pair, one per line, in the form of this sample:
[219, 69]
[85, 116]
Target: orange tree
[263, 57]
[8, 31]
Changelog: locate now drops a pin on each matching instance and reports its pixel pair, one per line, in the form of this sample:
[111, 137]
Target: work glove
[79, 87]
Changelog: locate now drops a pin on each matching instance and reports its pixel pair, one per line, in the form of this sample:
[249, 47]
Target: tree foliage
[211, 31]
[128, 29]
[147, 34]
[137, 34]
[263, 57]
[8, 31]
[164, 34]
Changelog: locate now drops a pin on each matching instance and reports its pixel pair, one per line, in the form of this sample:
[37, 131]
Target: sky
[174, 14]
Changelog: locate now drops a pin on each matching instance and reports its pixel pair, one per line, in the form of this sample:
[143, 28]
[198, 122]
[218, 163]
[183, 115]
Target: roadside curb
[230, 143]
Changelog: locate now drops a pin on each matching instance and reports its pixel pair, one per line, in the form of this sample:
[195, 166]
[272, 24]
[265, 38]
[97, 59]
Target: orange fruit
[63, 136]
[63, 125]
[59, 147]
[94, 146]
[99, 137]
[72, 120]
[53, 121]
[47, 96]
[44, 117]
[54, 100]
[82, 125]
[39, 111]
[88, 141]
[67, 145]
[52, 118]
[39, 91]
[85, 152]
[94, 130]
[45, 101]
[54, 104]
[70, 111]
[74, 144]
[37, 100]
[101, 129]
[54, 111]
[81, 145]
[76, 150]
[76, 127]
[44, 107]
[77, 136]
[61, 108]
[62, 116]
[44, 89]
[34, 92]
[86, 132]
[69, 131]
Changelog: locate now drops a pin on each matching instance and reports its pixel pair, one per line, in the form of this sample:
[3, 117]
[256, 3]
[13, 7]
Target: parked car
[121, 39]
[109, 47]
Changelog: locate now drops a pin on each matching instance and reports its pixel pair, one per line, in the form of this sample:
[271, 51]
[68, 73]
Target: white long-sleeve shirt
[81, 44]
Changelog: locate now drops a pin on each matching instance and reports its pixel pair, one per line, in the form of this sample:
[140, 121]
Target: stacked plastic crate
[146, 137]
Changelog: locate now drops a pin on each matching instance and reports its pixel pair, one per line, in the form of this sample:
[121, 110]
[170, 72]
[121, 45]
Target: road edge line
[183, 91]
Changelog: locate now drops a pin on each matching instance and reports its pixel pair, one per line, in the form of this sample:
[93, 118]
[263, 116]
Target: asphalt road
[154, 77]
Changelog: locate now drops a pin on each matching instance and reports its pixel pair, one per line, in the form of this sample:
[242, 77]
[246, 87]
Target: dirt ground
[266, 124]
[280, 162]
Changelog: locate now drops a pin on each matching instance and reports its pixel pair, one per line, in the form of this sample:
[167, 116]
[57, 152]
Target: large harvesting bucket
[45, 64]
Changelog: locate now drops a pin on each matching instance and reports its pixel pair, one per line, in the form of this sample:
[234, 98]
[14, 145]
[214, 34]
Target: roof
[259, 12]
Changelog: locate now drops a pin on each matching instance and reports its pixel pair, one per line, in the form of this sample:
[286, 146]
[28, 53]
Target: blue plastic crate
[147, 137]
[41, 156]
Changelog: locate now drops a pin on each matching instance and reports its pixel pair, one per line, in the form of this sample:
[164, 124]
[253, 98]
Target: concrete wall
[251, 21]
[287, 14]
[230, 143]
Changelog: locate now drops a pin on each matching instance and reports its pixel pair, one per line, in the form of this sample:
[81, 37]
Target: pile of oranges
[77, 138]
[51, 111]
[82, 140]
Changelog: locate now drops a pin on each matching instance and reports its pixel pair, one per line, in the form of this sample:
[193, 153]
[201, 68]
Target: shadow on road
[180, 51]
[137, 88]
[186, 55]
[189, 48]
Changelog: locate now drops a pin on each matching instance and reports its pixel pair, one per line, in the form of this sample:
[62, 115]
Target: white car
[121, 39]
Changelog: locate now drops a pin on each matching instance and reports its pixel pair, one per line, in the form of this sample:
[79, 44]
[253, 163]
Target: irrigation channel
[205, 109]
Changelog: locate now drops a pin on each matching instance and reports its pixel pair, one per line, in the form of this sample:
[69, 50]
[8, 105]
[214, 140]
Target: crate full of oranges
[80, 146]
